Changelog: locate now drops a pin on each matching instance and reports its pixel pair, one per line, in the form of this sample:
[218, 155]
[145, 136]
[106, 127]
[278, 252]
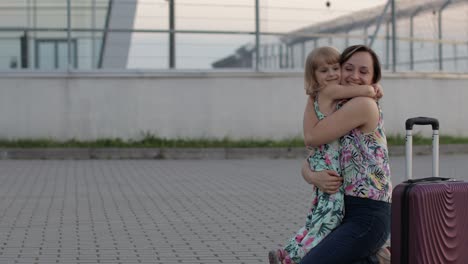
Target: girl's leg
[279, 256]
[364, 230]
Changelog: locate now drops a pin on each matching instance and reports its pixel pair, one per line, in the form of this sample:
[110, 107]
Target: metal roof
[360, 19]
[365, 18]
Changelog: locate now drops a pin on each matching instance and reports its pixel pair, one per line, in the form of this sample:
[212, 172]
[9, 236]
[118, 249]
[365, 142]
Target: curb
[150, 153]
[192, 153]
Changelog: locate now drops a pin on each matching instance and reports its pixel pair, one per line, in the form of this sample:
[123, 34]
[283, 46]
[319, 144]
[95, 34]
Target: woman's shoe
[384, 255]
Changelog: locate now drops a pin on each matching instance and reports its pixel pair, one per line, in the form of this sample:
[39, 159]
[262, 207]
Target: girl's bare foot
[273, 257]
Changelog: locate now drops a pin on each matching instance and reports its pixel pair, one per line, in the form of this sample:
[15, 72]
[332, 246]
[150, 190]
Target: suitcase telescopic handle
[422, 121]
[409, 144]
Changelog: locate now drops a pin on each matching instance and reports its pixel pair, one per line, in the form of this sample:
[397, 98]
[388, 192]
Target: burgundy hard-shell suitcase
[429, 215]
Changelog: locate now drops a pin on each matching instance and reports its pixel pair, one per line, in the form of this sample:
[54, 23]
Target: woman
[364, 164]
[321, 78]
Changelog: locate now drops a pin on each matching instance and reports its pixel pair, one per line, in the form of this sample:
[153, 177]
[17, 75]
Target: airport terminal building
[57, 34]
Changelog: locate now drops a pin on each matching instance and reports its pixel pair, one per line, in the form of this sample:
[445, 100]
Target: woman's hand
[327, 181]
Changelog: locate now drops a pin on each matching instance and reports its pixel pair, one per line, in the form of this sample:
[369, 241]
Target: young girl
[322, 77]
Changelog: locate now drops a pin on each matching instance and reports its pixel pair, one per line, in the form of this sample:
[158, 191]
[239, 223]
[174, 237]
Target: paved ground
[141, 211]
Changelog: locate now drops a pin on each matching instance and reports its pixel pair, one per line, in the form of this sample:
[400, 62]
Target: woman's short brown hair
[351, 50]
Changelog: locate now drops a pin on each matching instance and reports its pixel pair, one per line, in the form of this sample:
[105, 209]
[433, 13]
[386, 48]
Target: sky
[198, 51]
[276, 15]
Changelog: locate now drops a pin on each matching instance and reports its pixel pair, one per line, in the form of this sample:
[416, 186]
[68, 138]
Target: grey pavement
[159, 211]
[195, 153]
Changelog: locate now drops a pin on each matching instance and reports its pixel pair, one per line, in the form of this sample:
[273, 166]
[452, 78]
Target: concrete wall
[87, 105]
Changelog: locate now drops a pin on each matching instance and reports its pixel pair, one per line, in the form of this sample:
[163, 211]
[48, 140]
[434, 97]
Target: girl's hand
[378, 91]
[369, 91]
[327, 181]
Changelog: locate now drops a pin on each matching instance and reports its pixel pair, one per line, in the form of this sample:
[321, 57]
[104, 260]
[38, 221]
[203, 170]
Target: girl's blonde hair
[318, 56]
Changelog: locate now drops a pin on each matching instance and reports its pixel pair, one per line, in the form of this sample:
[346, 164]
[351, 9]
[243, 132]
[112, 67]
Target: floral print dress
[327, 210]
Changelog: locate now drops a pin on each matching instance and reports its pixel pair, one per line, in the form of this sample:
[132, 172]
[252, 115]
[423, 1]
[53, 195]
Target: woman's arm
[327, 181]
[359, 112]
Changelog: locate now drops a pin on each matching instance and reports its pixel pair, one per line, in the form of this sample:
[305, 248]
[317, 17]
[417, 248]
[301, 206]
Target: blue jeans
[364, 230]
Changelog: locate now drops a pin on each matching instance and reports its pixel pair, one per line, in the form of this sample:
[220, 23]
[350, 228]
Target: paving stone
[156, 211]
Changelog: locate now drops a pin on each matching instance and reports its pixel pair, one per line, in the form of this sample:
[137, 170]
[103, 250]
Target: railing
[257, 35]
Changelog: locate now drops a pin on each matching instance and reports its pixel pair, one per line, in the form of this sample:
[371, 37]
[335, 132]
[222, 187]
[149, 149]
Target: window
[53, 54]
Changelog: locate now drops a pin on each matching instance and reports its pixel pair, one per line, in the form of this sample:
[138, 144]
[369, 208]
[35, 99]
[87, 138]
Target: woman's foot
[384, 255]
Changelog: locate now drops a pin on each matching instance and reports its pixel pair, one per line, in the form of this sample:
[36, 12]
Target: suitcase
[429, 215]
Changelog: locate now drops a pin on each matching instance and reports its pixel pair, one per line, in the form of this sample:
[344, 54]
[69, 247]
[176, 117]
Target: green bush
[152, 141]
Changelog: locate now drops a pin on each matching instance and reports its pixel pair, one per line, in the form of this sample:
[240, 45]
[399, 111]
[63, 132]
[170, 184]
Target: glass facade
[137, 34]
[34, 33]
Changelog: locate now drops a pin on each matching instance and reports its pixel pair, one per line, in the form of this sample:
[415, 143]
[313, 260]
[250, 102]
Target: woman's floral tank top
[365, 163]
